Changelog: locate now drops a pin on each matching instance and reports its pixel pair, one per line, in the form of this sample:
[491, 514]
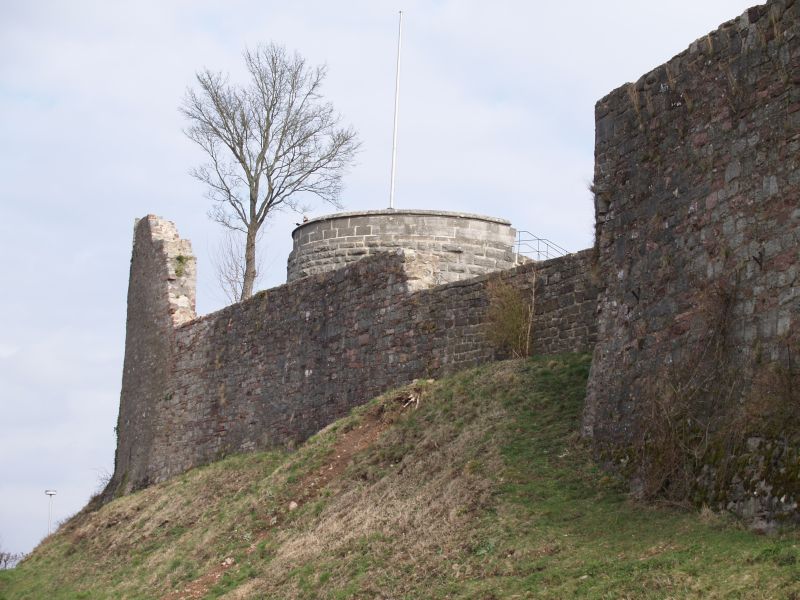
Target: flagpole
[396, 107]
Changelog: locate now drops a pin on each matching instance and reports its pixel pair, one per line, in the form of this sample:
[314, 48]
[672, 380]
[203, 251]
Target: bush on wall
[510, 318]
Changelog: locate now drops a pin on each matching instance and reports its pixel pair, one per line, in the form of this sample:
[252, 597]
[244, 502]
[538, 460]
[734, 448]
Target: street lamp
[50, 493]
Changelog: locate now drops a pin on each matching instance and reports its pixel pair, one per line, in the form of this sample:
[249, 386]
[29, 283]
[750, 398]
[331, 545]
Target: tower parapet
[461, 245]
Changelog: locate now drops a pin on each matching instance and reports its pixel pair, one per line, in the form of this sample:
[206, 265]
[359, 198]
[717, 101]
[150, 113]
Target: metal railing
[536, 248]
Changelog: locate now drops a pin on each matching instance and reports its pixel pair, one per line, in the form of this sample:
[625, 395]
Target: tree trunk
[249, 262]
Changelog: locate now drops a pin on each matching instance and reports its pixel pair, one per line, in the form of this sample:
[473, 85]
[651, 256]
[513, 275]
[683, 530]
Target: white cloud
[7, 350]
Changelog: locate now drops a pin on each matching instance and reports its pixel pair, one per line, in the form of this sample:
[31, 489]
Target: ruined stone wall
[161, 296]
[275, 369]
[698, 232]
[463, 245]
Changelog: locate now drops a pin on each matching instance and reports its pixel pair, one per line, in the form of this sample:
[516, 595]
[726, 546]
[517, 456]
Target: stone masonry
[161, 297]
[462, 245]
[698, 212]
[277, 368]
[696, 300]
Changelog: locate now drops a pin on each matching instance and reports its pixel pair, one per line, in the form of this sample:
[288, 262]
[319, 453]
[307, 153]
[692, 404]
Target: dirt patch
[407, 509]
[199, 587]
[348, 444]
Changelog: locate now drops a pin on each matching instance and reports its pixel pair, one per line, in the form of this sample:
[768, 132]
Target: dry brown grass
[178, 522]
[414, 491]
[398, 474]
[477, 488]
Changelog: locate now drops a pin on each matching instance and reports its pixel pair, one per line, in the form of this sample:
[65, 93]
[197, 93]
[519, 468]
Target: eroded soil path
[347, 445]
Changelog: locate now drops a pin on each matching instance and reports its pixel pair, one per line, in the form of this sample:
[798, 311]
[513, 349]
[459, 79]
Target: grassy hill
[474, 486]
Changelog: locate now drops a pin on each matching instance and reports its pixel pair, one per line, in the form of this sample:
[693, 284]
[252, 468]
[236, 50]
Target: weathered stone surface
[275, 369]
[467, 245]
[161, 297]
[696, 182]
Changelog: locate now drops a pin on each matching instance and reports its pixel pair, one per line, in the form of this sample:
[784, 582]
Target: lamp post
[50, 493]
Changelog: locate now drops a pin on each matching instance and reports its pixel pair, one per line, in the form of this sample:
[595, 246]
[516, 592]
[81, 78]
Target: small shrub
[180, 265]
[510, 318]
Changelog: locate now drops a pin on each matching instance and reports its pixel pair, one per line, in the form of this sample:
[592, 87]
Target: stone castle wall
[275, 369]
[697, 202]
[463, 245]
[698, 236]
[161, 297]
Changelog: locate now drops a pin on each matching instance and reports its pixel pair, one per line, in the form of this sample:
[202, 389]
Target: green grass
[484, 490]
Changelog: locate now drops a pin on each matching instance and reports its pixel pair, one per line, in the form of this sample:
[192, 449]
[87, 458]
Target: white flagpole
[396, 106]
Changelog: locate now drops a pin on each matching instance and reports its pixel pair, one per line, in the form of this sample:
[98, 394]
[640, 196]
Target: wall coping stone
[402, 212]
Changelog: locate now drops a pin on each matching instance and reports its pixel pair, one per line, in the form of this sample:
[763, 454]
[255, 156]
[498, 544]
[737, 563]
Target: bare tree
[269, 144]
[229, 263]
[9, 560]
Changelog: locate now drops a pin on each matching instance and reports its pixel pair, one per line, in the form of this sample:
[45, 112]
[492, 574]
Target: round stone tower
[462, 245]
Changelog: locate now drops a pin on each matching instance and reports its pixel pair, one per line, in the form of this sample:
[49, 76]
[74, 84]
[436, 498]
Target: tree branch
[269, 143]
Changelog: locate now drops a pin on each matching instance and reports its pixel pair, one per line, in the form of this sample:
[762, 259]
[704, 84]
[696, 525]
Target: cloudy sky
[496, 117]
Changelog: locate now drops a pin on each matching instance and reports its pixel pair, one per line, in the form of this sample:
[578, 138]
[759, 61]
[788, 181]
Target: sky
[496, 117]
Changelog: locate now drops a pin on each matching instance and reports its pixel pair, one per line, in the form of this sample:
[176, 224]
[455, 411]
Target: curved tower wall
[460, 245]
